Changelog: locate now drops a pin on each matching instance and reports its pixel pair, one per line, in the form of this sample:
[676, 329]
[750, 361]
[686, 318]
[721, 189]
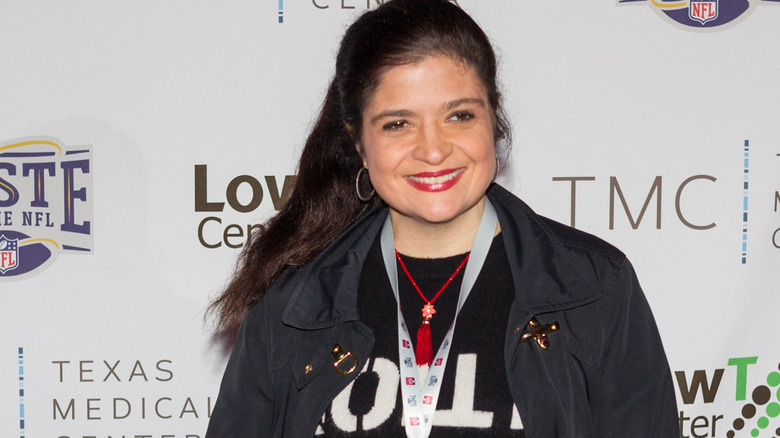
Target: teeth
[436, 180]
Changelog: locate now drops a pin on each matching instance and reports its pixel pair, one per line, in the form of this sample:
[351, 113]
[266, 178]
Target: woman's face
[427, 140]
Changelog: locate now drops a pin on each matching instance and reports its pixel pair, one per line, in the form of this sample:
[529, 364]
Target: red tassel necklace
[423, 351]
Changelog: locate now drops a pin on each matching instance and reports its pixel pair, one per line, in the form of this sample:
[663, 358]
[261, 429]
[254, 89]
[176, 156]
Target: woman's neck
[417, 238]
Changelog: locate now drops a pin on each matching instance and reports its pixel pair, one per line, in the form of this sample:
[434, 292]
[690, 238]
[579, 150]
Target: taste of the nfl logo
[703, 10]
[702, 15]
[46, 209]
[9, 254]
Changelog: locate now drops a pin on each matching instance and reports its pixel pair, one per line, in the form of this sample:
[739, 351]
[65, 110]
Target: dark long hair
[323, 202]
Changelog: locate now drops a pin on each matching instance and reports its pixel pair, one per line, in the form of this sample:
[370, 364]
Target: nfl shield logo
[703, 10]
[9, 254]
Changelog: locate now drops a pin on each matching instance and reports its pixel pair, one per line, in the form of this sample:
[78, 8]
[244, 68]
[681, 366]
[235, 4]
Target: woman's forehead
[439, 76]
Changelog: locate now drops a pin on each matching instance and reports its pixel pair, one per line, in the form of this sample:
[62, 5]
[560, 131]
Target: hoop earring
[361, 196]
[498, 169]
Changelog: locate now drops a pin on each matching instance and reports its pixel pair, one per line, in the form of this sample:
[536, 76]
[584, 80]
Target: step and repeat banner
[142, 141]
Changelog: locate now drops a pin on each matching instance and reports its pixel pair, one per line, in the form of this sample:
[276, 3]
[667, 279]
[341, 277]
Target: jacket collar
[324, 293]
[546, 277]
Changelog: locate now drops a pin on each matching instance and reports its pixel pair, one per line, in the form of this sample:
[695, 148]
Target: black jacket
[604, 375]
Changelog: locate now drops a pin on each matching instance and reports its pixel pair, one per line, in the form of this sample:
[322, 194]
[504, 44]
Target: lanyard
[420, 396]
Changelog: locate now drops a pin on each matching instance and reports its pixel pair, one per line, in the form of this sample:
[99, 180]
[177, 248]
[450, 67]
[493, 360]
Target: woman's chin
[434, 214]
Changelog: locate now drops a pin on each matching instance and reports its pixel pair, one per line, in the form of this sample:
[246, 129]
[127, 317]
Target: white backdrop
[110, 339]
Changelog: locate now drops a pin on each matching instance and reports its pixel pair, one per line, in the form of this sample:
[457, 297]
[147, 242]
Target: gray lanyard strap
[421, 396]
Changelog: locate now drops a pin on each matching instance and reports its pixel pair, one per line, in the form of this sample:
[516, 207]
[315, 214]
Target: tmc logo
[45, 204]
[702, 14]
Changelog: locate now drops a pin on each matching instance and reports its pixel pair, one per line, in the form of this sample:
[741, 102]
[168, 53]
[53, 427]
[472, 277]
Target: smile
[435, 181]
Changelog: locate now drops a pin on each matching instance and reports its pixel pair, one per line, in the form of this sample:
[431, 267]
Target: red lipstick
[435, 181]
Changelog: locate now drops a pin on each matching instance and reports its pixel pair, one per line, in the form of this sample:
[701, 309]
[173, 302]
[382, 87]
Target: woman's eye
[461, 116]
[395, 125]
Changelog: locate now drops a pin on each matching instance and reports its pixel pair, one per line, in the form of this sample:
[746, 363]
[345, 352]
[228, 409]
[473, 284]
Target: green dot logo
[764, 410]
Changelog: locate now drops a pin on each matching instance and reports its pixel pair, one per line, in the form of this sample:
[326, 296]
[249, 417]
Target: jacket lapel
[325, 291]
[546, 277]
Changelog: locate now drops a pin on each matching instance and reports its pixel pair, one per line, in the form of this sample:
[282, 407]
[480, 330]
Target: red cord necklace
[424, 348]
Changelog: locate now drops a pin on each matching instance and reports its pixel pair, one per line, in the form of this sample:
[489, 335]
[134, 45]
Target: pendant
[428, 311]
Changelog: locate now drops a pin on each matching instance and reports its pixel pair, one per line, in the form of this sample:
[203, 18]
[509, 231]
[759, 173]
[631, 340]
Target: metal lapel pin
[346, 362]
[539, 332]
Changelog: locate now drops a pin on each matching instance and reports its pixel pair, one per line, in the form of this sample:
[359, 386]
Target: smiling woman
[427, 142]
[524, 327]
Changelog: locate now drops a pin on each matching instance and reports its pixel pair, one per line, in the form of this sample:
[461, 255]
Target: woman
[528, 327]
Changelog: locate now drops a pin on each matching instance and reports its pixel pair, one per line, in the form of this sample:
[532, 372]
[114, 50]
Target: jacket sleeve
[244, 406]
[634, 395]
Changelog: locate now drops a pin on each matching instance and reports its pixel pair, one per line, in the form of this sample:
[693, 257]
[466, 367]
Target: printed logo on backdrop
[730, 407]
[624, 203]
[349, 4]
[702, 15]
[127, 396]
[776, 233]
[763, 207]
[634, 207]
[340, 5]
[217, 229]
[45, 204]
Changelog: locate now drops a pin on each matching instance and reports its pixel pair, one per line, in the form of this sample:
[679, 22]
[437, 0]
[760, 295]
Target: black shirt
[474, 400]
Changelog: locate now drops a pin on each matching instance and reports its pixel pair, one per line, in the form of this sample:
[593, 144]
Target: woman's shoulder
[303, 295]
[578, 240]
[543, 236]
[278, 294]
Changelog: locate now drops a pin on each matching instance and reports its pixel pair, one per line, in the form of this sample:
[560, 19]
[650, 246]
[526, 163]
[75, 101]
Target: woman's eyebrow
[456, 103]
[391, 113]
[445, 107]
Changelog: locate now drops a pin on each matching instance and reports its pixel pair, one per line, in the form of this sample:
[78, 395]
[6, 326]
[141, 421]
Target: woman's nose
[433, 147]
